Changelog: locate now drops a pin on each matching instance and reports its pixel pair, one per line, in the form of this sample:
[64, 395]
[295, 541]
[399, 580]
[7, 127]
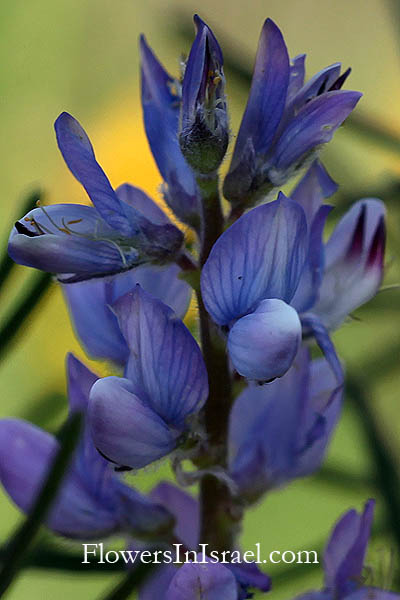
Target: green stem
[219, 514]
[20, 543]
[23, 309]
[213, 219]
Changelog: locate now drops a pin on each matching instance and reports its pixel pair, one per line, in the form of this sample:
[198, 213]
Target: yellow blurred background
[82, 57]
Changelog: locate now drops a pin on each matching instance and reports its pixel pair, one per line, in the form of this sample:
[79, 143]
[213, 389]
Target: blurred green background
[82, 56]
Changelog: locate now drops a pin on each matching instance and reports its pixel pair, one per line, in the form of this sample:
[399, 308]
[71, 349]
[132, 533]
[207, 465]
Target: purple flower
[92, 502]
[280, 431]
[204, 134]
[285, 121]
[143, 416]
[79, 242]
[90, 305]
[344, 560]
[161, 102]
[186, 511]
[354, 260]
[276, 252]
[343, 274]
[259, 258]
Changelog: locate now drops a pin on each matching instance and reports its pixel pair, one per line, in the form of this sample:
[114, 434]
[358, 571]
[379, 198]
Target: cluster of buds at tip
[204, 133]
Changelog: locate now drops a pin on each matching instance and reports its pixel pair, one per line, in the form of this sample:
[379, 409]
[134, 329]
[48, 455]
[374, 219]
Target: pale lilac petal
[354, 262]
[263, 344]
[124, 428]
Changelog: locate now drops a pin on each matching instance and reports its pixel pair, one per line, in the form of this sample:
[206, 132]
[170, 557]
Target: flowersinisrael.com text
[178, 555]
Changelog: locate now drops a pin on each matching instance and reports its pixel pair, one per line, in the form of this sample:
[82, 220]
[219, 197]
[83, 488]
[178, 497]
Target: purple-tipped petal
[78, 153]
[263, 344]
[210, 581]
[26, 453]
[90, 304]
[165, 363]
[354, 258]
[345, 552]
[124, 428]
[161, 105]
[314, 125]
[267, 94]
[260, 256]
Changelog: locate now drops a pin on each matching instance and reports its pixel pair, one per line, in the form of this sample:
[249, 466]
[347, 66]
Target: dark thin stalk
[21, 541]
[213, 219]
[387, 474]
[6, 263]
[22, 310]
[219, 515]
[185, 262]
[133, 579]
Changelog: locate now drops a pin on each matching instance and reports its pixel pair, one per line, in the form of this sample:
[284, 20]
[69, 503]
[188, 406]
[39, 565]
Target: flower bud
[204, 133]
[263, 344]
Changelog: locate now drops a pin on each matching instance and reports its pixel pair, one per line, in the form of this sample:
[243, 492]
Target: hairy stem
[219, 515]
[213, 219]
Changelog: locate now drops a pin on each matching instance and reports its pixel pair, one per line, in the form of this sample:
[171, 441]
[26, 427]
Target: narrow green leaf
[6, 263]
[24, 307]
